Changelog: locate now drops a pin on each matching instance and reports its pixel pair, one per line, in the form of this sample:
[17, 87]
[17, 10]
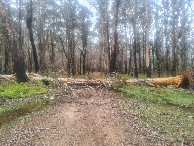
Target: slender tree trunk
[135, 43]
[130, 58]
[157, 46]
[139, 48]
[108, 36]
[144, 51]
[153, 60]
[135, 52]
[41, 41]
[126, 41]
[148, 68]
[84, 62]
[183, 46]
[80, 64]
[29, 61]
[114, 40]
[29, 26]
[167, 50]
[6, 63]
[174, 51]
[52, 53]
[105, 35]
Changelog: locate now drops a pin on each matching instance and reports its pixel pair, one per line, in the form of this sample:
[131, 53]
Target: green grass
[168, 111]
[173, 124]
[179, 98]
[13, 90]
[30, 104]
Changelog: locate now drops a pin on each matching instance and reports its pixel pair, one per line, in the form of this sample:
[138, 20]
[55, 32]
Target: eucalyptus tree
[114, 44]
[29, 26]
[148, 67]
[84, 26]
[18, 64]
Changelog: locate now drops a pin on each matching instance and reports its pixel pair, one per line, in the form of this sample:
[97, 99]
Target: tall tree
[135, 41]
[29, 26]
[84, 34]
[41, 38]
[148, 67]
[174, 44]
[18, 64]
[104, 28]
[114, 39]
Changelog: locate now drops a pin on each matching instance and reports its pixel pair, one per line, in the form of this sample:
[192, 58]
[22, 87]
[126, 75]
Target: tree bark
[174, 51]
[135, 42]
[41, 40]
[183, 45]
[114, 40]
[29, 26]
[126, 48]
[148, 68]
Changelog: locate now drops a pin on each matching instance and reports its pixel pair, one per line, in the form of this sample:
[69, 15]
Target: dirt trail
[86, 117]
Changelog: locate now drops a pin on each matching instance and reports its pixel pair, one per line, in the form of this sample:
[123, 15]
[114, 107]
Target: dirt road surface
[85, 117]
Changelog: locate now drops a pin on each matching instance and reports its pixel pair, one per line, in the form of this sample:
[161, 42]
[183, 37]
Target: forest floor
[88, 115]
[84, 116]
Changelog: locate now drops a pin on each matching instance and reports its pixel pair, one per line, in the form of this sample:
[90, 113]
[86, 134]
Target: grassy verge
[11, 114]
[13, 90]
[179, 98]
[13, 101]
[169, 112]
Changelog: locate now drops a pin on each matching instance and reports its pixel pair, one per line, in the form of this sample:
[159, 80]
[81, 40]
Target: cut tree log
[182, 81]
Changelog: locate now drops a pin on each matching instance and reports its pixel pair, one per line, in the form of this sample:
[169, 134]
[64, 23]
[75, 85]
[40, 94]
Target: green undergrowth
[179, 98]
[168, 111]
[173, 124]
[17, 100]
[13, 90]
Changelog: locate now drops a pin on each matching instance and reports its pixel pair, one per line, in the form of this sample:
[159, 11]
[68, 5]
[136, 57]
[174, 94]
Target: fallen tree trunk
[182, 81]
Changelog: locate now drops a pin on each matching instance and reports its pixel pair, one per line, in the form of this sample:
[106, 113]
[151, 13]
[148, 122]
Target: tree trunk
[174, 51]
[183, 45]
[135, 43]
[41, 42]
[80, 64]
[148, 68]
[126, 43]
[114, 40]
[139, 48]
[29, 26]
[144, 46]
[105, 35]
[52, 53]
[29, 61]
[167, 50]
[135, 52]
[130, 58]
[153, 60]
[158, 56]
[6, 63]
[84, 62]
